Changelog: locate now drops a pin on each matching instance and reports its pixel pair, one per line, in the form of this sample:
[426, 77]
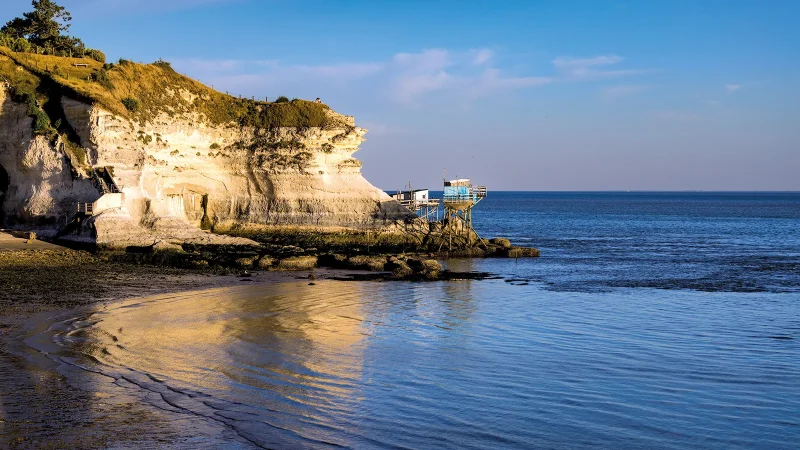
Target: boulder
[399, 268]
[333, 260]
[298, 263]
[500, 242]
[363, 262]
[246, 263]
[429, 268]
[522, 252]
[265, 262]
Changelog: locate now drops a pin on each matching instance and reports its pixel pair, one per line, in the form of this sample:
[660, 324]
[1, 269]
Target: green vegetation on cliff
[38, 62]
[144, 91]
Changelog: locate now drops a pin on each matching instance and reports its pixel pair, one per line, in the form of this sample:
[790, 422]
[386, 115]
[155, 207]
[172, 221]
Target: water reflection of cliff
[290, 348]
[298, 358]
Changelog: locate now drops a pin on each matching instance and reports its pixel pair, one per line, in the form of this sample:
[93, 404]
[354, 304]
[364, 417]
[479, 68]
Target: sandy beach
[38, 407]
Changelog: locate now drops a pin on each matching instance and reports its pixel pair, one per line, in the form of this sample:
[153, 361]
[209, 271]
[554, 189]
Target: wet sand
[38, 407]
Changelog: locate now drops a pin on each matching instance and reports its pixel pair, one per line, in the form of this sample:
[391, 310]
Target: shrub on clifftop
[131, 104]
[96, 55]
[42, 28]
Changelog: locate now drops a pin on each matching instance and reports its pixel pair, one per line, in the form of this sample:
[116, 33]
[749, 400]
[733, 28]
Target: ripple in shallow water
[460, 365]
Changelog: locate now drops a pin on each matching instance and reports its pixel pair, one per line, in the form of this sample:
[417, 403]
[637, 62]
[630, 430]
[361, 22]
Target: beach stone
[334, 260]
[470, 252]
[246, 262]
[298, 263]
[399, 268]
[429, 268]
[530, 252]
[522, 252]
[199, 264]
[265, 262]
[402, 272]
[363, 262]
[500, 242]
[431, 265]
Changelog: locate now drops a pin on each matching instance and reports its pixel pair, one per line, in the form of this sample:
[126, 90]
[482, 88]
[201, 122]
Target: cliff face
[178, 173]
[36, 184]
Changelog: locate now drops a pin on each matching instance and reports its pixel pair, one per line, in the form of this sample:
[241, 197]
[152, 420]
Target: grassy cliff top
[143, 91]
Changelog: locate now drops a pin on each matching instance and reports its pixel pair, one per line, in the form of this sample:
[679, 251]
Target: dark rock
[522, 252]
[265, 262]
[298, 263]
[500, 242]
[333, 260]
[428, 268]
[364, 262]
[399, 268]
[246, 262]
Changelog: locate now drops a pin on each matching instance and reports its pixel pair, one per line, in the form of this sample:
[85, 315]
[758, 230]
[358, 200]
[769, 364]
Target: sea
[651, 321]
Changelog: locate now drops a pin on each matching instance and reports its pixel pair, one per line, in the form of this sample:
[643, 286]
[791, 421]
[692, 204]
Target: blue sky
[518, 95]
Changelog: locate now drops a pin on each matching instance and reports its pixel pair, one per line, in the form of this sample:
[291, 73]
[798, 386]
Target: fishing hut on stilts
[451, 215]
[458, 199]
[419, 201]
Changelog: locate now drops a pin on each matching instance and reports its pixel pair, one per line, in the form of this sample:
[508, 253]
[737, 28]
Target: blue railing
[464, 193]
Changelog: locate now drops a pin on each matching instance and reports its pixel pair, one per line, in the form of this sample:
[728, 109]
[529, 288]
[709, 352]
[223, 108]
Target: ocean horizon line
[632, 191]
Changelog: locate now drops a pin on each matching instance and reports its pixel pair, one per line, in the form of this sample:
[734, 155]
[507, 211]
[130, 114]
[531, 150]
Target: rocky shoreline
[396, 256]
[38, 273]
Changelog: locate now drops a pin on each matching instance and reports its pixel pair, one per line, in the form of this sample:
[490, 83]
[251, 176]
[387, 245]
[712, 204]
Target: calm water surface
[651, 321]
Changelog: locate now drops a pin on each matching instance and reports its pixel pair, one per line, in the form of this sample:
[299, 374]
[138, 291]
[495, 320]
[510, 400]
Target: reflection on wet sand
[298, 348]
[280, 365]
[43, 408]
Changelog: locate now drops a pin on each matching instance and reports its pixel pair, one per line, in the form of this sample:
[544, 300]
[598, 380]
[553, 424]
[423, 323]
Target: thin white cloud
[680, 116]
[425, 61]
[733, 87]
[414, 74]
[492, 80]
[566, 62]
[440, 70]
[482, 56]
[410, 87]
[349, 71]
[405, 77]
[586, 69]
[625, 90]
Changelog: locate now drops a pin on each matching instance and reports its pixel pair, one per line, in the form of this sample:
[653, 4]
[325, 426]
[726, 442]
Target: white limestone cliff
[176, 174]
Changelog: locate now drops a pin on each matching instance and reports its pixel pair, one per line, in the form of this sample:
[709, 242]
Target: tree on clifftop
[43, 26]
